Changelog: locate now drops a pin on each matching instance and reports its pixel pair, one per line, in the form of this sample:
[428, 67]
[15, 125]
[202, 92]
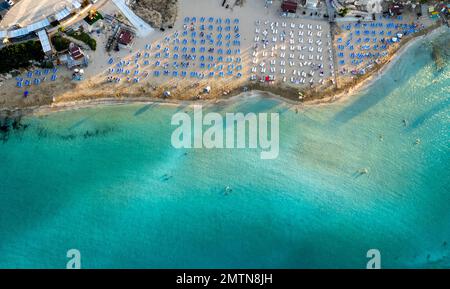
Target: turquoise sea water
[107, 182]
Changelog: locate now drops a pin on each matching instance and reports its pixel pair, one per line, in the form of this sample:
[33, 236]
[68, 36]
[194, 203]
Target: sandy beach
[254, 19]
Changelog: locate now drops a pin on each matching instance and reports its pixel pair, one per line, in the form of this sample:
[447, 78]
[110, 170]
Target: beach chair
[183, 74]
[211, 19]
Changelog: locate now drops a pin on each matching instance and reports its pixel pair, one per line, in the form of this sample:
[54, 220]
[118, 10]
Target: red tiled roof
[76, 52]
[125, 37]
[289, 6]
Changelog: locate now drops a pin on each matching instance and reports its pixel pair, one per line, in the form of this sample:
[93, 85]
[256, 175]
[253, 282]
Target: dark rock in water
[10, 122]
[438, 56]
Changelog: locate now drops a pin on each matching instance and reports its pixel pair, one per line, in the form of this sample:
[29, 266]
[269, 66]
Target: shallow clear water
[107, 182]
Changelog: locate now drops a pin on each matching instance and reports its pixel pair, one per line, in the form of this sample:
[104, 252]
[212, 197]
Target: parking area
[25, 12]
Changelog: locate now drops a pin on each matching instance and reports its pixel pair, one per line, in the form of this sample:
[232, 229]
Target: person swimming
[227, 190]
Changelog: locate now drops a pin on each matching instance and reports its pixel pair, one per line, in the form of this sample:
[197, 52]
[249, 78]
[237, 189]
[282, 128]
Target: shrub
[60, 43]
[19, 55]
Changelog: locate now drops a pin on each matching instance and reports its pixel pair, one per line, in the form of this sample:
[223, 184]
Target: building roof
[38, 25]
[62, 14]
[45, 42]
[76, 52]
[18, 33]
[289, 6]
[3, 33]
[125, 37]
[76, 4]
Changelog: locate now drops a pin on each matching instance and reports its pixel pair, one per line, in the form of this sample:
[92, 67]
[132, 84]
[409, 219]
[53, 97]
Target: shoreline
[343, 94]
